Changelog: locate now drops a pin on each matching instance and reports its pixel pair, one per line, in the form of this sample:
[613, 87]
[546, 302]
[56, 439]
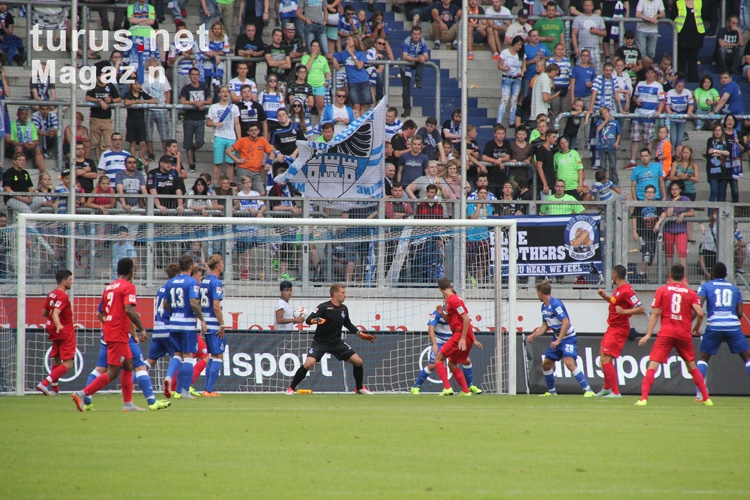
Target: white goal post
[386, 294]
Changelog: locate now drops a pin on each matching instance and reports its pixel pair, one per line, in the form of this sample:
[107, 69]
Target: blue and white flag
[352, 165]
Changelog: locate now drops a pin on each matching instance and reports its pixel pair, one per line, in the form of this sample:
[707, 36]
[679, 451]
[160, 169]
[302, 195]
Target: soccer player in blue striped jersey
[723, 309]
[212, 293]
[161, 343]
[184, 307]
[564, 346]
[440, 333]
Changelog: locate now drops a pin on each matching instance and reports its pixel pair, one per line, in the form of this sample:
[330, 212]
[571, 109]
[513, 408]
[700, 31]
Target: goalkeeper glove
[317, 321]
[367, 336]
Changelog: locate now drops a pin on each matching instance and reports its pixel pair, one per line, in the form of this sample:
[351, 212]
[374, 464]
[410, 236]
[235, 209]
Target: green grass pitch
[383, 446]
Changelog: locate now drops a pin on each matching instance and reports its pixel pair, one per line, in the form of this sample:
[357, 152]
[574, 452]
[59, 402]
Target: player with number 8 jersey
[118, 312]
[674, 303]
[211, 295]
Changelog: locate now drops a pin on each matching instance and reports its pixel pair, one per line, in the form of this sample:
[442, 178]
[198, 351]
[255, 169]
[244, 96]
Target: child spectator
[122, 248]
[605, 190]
[608, 134]
[664, 150]
[643, 220]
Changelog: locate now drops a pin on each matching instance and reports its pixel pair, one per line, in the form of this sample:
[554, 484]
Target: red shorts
[679, 240]
[451, 351]
[202, 349]
[614, 340]
[117, 353]
[64, 348]
[663, 347]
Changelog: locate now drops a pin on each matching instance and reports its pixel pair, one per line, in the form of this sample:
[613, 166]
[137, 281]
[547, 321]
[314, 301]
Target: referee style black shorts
[341, 350]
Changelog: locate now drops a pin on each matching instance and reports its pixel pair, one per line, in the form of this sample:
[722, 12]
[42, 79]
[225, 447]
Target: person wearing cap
[102, 95]
[250, 162]
[445, 18]
[293, 41]
[165, 180]
[24, 139]
[519, 27]
[629, 53]
[284, 320]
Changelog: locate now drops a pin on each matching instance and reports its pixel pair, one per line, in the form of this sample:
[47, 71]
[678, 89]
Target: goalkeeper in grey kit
[330, 317]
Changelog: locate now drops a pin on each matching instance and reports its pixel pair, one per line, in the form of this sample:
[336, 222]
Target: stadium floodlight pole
[463, 33]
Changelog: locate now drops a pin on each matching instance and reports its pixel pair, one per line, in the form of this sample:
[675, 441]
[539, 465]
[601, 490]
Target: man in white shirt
[496, 28]
[542, 94]
[647, 33]
[235, 84]
[156, 84]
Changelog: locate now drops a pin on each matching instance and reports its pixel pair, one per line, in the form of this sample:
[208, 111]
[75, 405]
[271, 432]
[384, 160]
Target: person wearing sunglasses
[338, 113]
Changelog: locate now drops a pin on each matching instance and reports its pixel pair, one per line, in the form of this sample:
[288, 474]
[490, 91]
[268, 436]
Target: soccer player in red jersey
[457, 349]
[59, 314]
[623, 303]
[119, 301]
[675, 303]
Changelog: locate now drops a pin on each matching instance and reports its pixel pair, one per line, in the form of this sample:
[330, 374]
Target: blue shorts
[135, 350]
[215, 344]
[431, 361]
[359, 93]
[101, 361]
[712, 340]
[185, 342]
[220, 146]
[319, 90]
[160, 347]
[568, 348]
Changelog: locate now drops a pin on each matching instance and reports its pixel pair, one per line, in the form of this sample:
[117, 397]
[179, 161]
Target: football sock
[700, 383]
[298, 377]
[468, 371]
[92, 376]
[198, 369]
[98, 384]
[610, 378]
[422, 377]
[57, 372]
[442, 372]
[703, 368]
[174, 365]
[186, 374]
[214, 368]
[459, 376]
[126, 381]
[581, 378]
[648, 381]
[144, 382]
[549, 379]
[747, 367]
[359, 372]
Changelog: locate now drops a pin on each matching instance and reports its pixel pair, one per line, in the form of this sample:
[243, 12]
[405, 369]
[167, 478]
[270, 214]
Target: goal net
[390, 268]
